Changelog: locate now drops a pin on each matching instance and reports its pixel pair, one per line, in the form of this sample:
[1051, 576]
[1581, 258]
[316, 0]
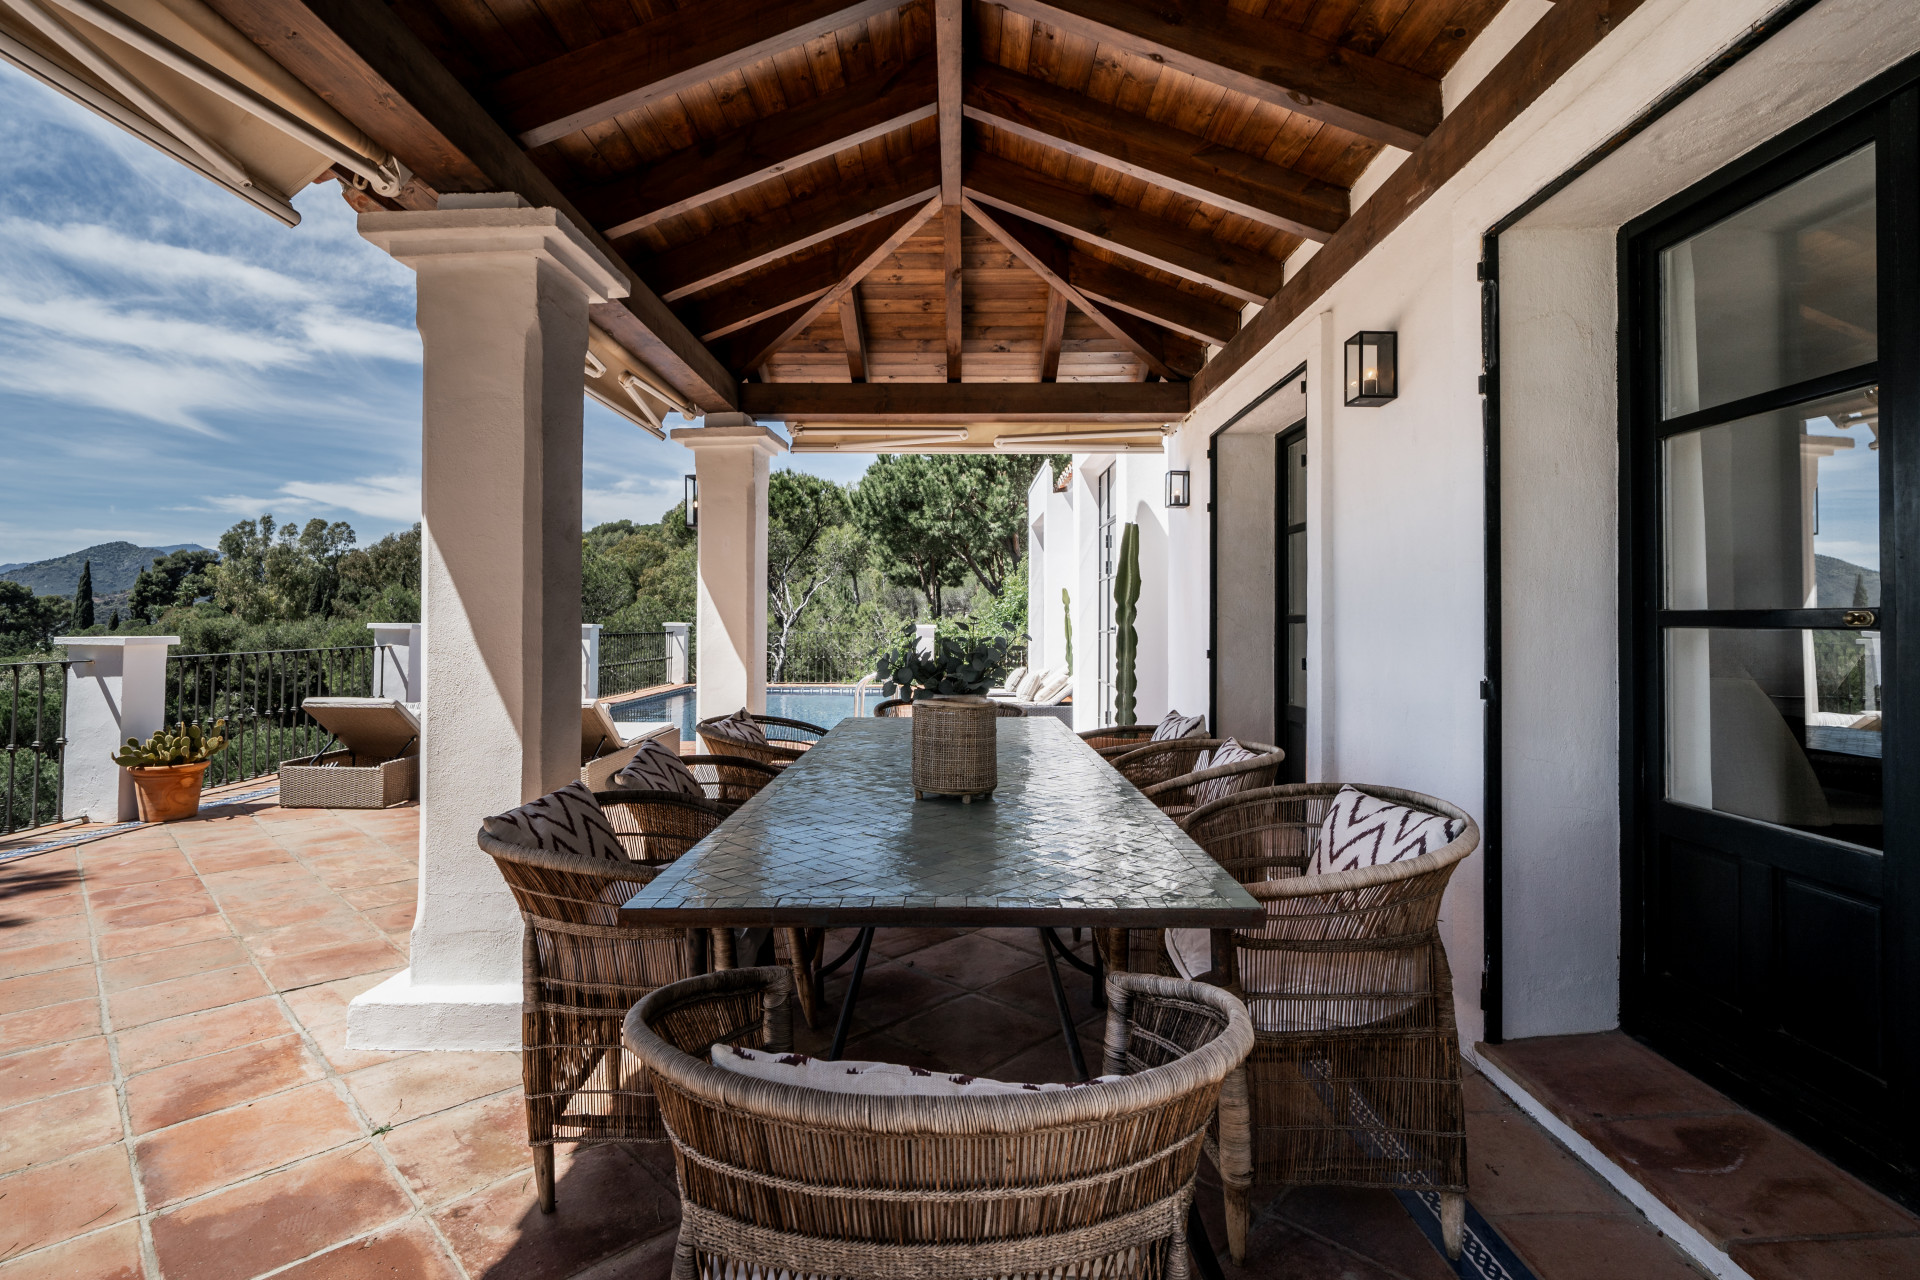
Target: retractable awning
[179, 76]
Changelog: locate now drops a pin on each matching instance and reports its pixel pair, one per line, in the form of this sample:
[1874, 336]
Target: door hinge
[1483, 384]
[1486, 691]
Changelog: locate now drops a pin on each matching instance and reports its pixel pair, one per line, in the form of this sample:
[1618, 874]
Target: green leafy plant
[962, 662]
[183, 744]
[1126, 607]
[1066, 607]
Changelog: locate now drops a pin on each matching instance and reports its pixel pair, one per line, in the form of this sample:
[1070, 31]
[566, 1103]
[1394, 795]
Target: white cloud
[129, 258]
[395, 498]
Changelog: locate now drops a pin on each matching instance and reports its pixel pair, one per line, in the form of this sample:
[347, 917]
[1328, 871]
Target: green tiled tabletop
[838, 839]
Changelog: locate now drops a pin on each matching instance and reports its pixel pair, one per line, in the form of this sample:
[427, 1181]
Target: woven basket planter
[954, 741]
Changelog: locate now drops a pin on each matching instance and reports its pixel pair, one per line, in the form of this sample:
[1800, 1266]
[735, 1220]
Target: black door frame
[1884, 1147]
[1293, 768]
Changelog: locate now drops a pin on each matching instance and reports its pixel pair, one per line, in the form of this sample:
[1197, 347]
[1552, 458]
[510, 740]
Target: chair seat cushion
[1175, 725]
[738, 727]
[1211, 789]
[567, 821]
[655, 768]
[881, 1078]
[1365, 831]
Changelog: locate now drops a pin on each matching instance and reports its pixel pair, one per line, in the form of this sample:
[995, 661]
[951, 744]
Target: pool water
[823, 704]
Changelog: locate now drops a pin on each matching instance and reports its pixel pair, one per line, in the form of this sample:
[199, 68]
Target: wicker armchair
[896, 707]
[1169, 758]
[780, 749]
[730, 781]
[1009, 711]
[1127, 736]
[1178, 797]
[1354, 1078]
[789, 1179]
[581, 970]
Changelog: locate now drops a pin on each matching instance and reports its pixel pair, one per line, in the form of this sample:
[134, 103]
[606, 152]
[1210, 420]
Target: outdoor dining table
[838, 841]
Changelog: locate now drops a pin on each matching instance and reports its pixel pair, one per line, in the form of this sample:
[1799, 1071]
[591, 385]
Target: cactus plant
[1066, 607]
[183, 744]
[1126, 606]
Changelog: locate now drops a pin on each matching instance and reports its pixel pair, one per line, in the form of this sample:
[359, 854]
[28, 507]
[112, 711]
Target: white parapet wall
[116, 689]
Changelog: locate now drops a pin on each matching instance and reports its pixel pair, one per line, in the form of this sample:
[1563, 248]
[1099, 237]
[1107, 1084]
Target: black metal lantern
[693, 502]
[1179, 488]
[1373, 367]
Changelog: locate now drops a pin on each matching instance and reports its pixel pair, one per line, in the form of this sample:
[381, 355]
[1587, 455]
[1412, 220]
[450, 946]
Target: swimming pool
[823, 704]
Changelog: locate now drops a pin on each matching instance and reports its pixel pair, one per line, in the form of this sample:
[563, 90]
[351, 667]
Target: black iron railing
[260, 696]
[632, 660]
[33, 729]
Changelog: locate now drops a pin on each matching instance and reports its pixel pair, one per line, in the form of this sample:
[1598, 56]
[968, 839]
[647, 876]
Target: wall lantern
[1373, 368]
[693, 502]
[1179, 488]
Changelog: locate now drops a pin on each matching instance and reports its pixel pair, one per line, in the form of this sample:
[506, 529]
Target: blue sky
[173, 360]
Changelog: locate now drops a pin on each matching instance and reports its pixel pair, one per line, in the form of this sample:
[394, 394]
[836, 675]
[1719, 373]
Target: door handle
[1858, 617]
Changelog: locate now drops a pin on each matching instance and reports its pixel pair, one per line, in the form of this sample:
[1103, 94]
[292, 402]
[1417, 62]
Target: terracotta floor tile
[301, 887]
[214, 1150]
[1372, 1223]
[361, 872]
[367, 897]
[409, 1252]
[1611, 1075]
[1595, 1248]
[138, 867]
[312, 935]
[195, 1035]
[274, 1220]
[37, 990]
[970, 960]
[161, 937]
[1881, 1259]
[607, 1201]
[107, 897]
[421, 1084]
[394, 916]
[1278, 1250]
[185, 995]
[57, 1201]
[330, 1035]
[1046, 1060]
[147, 968]
[19, 961]
[1736, 1177]
[972, 1033]
[40, 892]
[112, 1254]
[1481, 1094]
[50, 1024]
[456, 1152]
[33, 933]
[252, 921]
[1031, 992]
[202, 1085]
[38, 1073]
[150, 913]
[1514, 1167]
[49, 1128]
[330, 964]
[893, 942]
[888, 993]
[214, 861]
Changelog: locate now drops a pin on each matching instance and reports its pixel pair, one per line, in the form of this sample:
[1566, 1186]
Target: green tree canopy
[802, 510]
[29, 622]
[262, 577]
[177, 579]
[933, 519]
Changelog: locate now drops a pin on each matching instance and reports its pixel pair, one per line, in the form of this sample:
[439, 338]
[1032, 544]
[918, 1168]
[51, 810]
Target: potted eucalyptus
[169, 769]
[954, 734]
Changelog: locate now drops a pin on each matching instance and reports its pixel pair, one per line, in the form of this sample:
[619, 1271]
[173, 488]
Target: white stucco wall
[1395, 505]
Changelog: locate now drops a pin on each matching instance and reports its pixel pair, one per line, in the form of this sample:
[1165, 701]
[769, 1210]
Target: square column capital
[418, 237]
[751, 436]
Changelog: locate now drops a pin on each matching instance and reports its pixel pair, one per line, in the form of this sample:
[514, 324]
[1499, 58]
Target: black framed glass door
[1290, 563]
[1771, 482]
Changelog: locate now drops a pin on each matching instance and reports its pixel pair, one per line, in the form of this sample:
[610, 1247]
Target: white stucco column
[116, 689]
[396, 660]
[502, 292]
[730, 456]
[677, 651]
[589, 661]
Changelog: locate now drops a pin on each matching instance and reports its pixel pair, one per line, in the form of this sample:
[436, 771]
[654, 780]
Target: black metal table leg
[853, 993]
[1060, 1002]
[1205, 1261]
[1096, 970]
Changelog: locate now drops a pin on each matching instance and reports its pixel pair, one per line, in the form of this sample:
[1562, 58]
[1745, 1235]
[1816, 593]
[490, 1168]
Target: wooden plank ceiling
[941, 191]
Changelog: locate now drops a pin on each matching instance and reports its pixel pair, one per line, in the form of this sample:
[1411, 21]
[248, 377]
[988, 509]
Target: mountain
[1835, 578]
[115, 566]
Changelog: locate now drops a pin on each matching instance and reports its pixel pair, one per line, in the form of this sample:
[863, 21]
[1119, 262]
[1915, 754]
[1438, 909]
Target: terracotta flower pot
[954, 747]
[168, 792]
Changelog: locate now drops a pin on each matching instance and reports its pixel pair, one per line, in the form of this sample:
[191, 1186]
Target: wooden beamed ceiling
[1064, 193]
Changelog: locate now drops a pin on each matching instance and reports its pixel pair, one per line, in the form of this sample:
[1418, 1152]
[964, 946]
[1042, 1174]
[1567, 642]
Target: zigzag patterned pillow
[1178, 726]
[566, 821]
[738, 727]
[655, 768]
[1230, 752]
[1365, 831]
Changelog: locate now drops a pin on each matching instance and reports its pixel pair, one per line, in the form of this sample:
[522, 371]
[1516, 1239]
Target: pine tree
[83, 598]
[113, 621]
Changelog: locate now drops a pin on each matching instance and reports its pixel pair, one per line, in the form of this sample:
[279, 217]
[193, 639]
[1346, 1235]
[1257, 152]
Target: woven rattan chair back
[730, 781]
[1178, 797]
[1355, 1075]
[1151, 762]
[1087, 1182]
[1009, 711]
[899, 708]
[655, 827]
[786, 739]
[1124, 736]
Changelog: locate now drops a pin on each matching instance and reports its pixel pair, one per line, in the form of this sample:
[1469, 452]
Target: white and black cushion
[1176, 725]
[656, 768]
[567, 821]
[1365, 831]
[738, 727]
[1208, 790]
[883, 1078]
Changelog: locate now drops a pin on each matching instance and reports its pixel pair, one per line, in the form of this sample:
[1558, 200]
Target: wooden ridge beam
[831, 123]
[731, 309]
[951, 246]
[672, 53]
[810, 403]
[733, 250]
[1545, 53]
[751, 347]
[365, 61]
[1166, 354]
[1262, 59]
[1052, 333]
[1199, 318]
[949, 37]
[853, 331]
[1156, 242]
[1267, 193]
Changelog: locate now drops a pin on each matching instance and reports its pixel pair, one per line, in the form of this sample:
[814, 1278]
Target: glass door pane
[1780, 292]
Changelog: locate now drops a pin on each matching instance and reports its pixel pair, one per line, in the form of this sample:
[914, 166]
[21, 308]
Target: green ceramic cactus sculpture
[183, 744]
[1066, 606]
[1126, 606]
